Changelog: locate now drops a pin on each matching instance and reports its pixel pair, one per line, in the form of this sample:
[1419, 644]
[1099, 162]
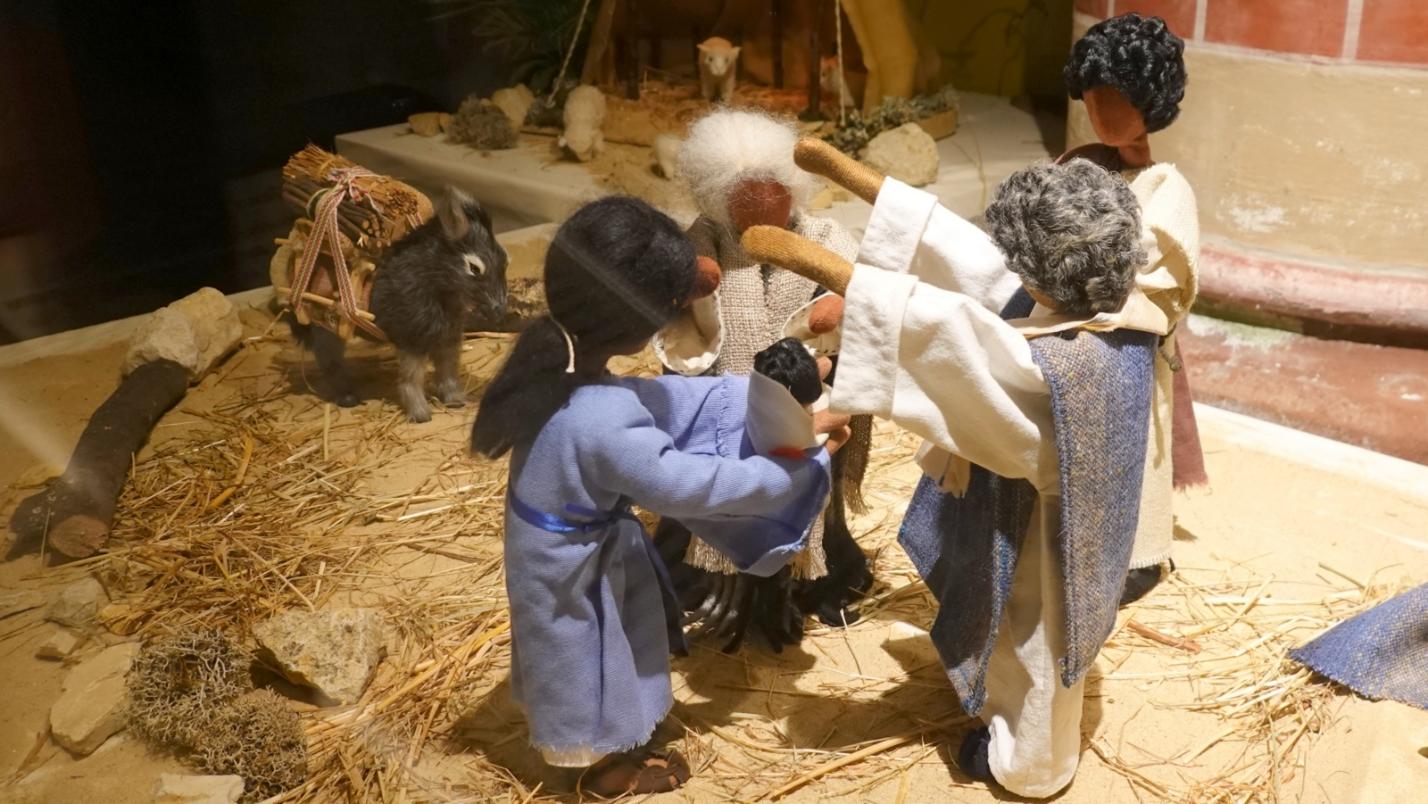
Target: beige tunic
[720, 334]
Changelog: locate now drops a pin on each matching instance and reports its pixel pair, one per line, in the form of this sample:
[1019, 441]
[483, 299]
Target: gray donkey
[426, 287]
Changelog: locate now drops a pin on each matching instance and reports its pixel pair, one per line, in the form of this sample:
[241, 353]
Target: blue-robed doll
[593, 618]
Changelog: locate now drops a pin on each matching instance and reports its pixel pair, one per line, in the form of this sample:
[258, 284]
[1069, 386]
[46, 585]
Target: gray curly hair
[1071, 232]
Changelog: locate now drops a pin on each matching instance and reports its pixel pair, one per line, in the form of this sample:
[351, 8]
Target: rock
[91, 707]
[58, 645]
[18, 601]
[427, 124]
[334, 652]
[195, 332]
[906, 153]
[78, 604]
[175, 788]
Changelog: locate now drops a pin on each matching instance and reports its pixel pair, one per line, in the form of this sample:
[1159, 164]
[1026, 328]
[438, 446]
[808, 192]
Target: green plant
[532, 34]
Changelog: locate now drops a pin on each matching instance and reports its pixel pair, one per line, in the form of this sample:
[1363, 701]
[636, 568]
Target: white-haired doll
[739, 168]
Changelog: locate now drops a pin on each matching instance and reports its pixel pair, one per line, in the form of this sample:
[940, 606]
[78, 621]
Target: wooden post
[815, 72]
[599, 40]
[629, 51]
[776, 11]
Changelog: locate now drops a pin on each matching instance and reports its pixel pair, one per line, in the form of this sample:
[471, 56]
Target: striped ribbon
[323, 208]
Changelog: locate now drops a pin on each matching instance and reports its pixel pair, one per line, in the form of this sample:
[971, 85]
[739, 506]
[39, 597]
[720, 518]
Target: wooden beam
[599, 41]
[815, 62]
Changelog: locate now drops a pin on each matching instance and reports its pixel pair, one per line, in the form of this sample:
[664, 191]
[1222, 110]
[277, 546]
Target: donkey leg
[329, 347]
[411, 385]
[449, 388]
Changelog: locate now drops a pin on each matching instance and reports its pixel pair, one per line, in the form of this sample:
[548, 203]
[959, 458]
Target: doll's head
[617, 271]
[1072, 233]
[739, 168]
[1136, 58]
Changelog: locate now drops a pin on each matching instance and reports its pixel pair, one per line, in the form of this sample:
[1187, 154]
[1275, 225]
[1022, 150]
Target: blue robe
[590, 647]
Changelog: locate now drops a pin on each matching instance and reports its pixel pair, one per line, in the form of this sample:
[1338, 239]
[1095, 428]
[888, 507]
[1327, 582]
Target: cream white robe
[935, 357]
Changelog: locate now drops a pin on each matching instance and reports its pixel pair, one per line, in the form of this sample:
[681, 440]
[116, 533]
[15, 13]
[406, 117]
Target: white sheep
[584, 115]
[718, 66]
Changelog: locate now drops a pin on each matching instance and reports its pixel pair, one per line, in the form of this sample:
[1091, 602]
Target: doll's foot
[972, 756]
[634, 773]
[1141, 580]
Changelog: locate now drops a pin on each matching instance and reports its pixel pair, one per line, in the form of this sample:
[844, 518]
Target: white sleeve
[910, 231]
[942, 366]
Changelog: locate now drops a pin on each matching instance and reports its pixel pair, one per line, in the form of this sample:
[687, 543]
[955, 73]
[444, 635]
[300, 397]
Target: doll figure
[1025, 358]
[593, 618]
[1130, 72]
[740, 171]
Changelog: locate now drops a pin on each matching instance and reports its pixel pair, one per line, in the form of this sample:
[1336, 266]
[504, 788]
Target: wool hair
[728, 146]
[1071, 232]
[1140, 57]
[616, 272]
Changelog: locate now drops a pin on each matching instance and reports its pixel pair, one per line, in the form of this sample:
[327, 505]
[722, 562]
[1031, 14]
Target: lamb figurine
[584, 115]
[718, 66]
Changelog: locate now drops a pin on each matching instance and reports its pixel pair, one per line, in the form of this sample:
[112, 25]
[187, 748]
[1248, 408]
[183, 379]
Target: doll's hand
[836, 426]
[706, 278]
[826, 314]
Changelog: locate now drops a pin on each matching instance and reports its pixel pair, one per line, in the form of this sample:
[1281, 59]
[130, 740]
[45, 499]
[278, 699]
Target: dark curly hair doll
[1136, 55]
[617, 271]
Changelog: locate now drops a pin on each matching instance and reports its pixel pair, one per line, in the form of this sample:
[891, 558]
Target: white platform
[527, 184]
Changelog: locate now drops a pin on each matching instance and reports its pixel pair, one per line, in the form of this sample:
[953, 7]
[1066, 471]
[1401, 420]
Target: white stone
[334, 652]
[195, 332]
[175, 788]
[90, 708]
[906, 153]
[58, 645]
[77, 604]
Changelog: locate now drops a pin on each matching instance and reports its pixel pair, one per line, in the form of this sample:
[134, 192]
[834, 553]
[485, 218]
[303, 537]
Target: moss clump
[193, 692]
[481, 124]
[259, 738]
[178, 685]
[852, 137]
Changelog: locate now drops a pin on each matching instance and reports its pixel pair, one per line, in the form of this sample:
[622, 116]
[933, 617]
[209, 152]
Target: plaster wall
[1321, 161]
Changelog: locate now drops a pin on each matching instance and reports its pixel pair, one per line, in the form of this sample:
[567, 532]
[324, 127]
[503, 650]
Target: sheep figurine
[584, 115]
[718, 65]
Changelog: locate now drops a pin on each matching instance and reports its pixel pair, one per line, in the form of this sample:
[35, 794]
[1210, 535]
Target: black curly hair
[1136, 55]
[1071, 232]
[617, 271]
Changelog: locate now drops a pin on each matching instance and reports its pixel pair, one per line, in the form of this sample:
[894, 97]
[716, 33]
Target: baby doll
[1023, 529]
[592, 614]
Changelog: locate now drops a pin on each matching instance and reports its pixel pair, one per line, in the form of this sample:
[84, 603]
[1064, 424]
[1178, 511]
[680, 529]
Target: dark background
[140, 142]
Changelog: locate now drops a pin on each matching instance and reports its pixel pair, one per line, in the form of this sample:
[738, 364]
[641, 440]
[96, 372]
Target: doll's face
[755, 202]
[1117, 122]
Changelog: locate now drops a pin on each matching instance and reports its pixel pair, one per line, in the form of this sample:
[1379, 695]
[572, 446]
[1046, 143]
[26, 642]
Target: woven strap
[324, 229]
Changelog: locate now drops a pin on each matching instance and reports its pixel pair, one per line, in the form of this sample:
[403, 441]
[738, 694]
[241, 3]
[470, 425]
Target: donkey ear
[455, 223]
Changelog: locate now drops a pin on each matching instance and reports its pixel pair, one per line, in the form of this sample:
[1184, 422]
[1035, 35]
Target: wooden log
[776, 23]
[74, 513]
[815, 64]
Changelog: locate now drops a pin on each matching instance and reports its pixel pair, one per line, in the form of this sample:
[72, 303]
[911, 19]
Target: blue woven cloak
[966, 548]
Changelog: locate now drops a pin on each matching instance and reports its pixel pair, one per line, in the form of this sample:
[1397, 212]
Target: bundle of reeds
[380, 210]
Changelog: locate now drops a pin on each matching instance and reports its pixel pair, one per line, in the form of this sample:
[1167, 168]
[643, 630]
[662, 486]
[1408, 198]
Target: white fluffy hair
[729, 145]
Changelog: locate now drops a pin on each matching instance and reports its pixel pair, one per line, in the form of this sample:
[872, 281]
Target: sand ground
[1288, 521]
